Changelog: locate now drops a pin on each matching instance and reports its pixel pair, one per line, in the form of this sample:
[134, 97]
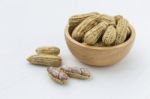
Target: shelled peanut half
[46, 56]
[99, 30]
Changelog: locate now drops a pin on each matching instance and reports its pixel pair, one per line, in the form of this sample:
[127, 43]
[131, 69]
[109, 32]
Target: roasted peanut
[52, 50]
[75, 72]
[45, 60]
[92, 36]
[117, 18]
[57, 75]
[109, 19]
[77, 19]
[84, 26]
[121, 29]
[109, 36]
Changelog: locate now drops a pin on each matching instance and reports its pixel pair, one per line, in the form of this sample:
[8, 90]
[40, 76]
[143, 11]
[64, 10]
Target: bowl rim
[130, 40]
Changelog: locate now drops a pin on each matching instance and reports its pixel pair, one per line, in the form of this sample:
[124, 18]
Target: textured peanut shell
[74, 75]
[109, 36]
[57, 80]
[80, 73]
[45, 60]
[92, 36]
[57, 75]
[109, 19]
[48, 50]
[77, 19]
[84, 26]
[121, 29]
[117, 18]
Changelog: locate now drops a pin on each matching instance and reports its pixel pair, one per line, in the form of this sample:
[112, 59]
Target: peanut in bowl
[99, 56]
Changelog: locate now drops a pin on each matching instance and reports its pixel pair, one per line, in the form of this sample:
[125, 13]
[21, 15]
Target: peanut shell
[76, 72]
[117, 18]
[84, 26]
[45, 60]
[52, 50]
[93, 35]
[109, 36]
[57, 75]
[77, 19]
[121, 29]
[109, 19]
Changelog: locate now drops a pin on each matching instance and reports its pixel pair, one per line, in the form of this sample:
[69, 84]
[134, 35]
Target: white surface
[28, 24]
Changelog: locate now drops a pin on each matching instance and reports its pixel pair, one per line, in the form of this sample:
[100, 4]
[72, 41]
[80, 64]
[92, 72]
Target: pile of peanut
[48, 56]
[99, 30]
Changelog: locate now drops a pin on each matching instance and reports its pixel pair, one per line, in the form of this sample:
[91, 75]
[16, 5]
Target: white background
[28, 24]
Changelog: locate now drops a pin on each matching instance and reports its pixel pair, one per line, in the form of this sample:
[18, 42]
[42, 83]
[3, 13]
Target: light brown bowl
[99, 56]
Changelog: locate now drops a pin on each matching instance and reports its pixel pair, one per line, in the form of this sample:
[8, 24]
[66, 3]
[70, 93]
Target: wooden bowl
[99, 56]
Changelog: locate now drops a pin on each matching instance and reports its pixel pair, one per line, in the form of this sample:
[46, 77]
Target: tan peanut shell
[77, 19]
[48, 50]
[109, 19]
[45, 60]
[84, 26]
[92, 36]
[117, 18]
[121, 29]
[76, 72]
[57, 75]
[109, 35]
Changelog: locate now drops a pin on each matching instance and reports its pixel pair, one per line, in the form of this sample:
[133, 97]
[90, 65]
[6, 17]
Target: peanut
[117, 18]
[84, 26]
[92, 36]
[77, 19]
[109, 19]
[75, 72]
[48, 50]
[45, 60]
[57, 75]
[109, 35]
[121, 29]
